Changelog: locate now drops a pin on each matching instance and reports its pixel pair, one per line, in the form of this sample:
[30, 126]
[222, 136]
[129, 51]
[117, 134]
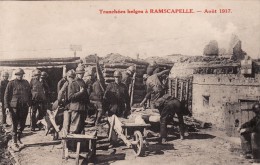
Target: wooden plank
[135, 125]
[79, 137]
[176, 88]
[123, 66]
[181, 91]
[77, 153]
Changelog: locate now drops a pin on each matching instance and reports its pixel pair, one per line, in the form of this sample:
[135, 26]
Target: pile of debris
[5, 156]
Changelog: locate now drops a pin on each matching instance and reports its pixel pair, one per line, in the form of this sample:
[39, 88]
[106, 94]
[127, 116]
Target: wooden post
[176, 87]
[77, 153]
[170, 87]
[64, 70]
[181, 92]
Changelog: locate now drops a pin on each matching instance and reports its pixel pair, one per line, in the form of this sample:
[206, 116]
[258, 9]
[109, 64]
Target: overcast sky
[47, 29]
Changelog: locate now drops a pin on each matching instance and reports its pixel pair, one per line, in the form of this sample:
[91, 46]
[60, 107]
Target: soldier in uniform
[17, 100]
[39, 98]
[117, 98]
[78, 101]
[127, 76]
[63, 100]
[96, 97]
[152, 68]
[3, 84]
[43, 80]
[155, 88]
[250, 135]
[61, 83]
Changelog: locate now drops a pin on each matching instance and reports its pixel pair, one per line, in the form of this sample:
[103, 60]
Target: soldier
[39, 99]
[168, 106]
[155, 87]
[126, 76]
[96, 97]
[43, 80]
[17, 100]
[64, 101]
[117, 98]
[78, 101]
[90, 80]
[152, 68]
[3, 84]
[250, 134]
[61, 83]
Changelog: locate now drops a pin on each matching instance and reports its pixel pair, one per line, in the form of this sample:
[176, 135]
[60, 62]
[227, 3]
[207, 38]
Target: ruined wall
[212, 93]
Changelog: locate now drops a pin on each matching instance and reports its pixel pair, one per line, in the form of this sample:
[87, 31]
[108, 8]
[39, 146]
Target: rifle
[132, 89]
[100, 76]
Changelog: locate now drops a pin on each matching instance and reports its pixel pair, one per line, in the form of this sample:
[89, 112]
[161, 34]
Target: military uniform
[168, 106]
[126, 79]
[78, 105]
[39, 92]
[155, 89]
[61, 83]
[250, 138]
[117, 98]
[3, 85]
[18, 98]
[63, 101]
[96, 97]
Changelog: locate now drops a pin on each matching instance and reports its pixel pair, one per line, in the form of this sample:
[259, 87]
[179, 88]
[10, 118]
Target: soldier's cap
[80, 70]
[5, 74]
[117, 73]
[19, 71]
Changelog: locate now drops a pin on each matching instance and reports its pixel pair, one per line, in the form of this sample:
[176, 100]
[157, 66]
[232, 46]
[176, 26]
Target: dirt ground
[197, 148]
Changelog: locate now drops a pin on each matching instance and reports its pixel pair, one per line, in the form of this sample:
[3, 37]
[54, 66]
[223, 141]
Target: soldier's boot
[19, 140]
[14, 146]
[98, 118]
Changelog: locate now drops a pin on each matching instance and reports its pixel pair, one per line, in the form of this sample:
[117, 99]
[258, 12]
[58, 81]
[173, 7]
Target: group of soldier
[17, 96]
[79, 92]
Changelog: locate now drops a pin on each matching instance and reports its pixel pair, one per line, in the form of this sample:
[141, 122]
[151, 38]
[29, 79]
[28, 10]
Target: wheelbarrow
[132, 134]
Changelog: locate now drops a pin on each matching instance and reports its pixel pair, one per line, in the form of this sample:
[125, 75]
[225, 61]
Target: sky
[47, 29]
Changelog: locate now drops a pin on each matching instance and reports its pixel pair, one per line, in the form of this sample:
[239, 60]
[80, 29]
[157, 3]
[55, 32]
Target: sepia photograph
[120, 82]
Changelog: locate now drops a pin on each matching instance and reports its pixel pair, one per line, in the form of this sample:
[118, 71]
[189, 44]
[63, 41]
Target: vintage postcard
[130, 82]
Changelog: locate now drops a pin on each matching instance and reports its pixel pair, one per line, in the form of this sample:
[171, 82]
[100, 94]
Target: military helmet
[5, 74]
[131, 68]
[117, 73]
[36, 72]
[19, 71]
[44, 74]
[153, 63]
[256, 107]
[71, 73]
[80, 70]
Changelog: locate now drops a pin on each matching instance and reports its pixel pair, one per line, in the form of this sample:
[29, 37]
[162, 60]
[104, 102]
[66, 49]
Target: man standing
[43, 80]
[250, 135]
[39, 98]
[61, 82]
[63, 100]
[117, 98]
[79, 100]
[3, 84]
[127, 76]
[17, 100]
[96, 97]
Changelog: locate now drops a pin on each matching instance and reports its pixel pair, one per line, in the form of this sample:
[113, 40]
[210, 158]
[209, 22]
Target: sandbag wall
[139, 87]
